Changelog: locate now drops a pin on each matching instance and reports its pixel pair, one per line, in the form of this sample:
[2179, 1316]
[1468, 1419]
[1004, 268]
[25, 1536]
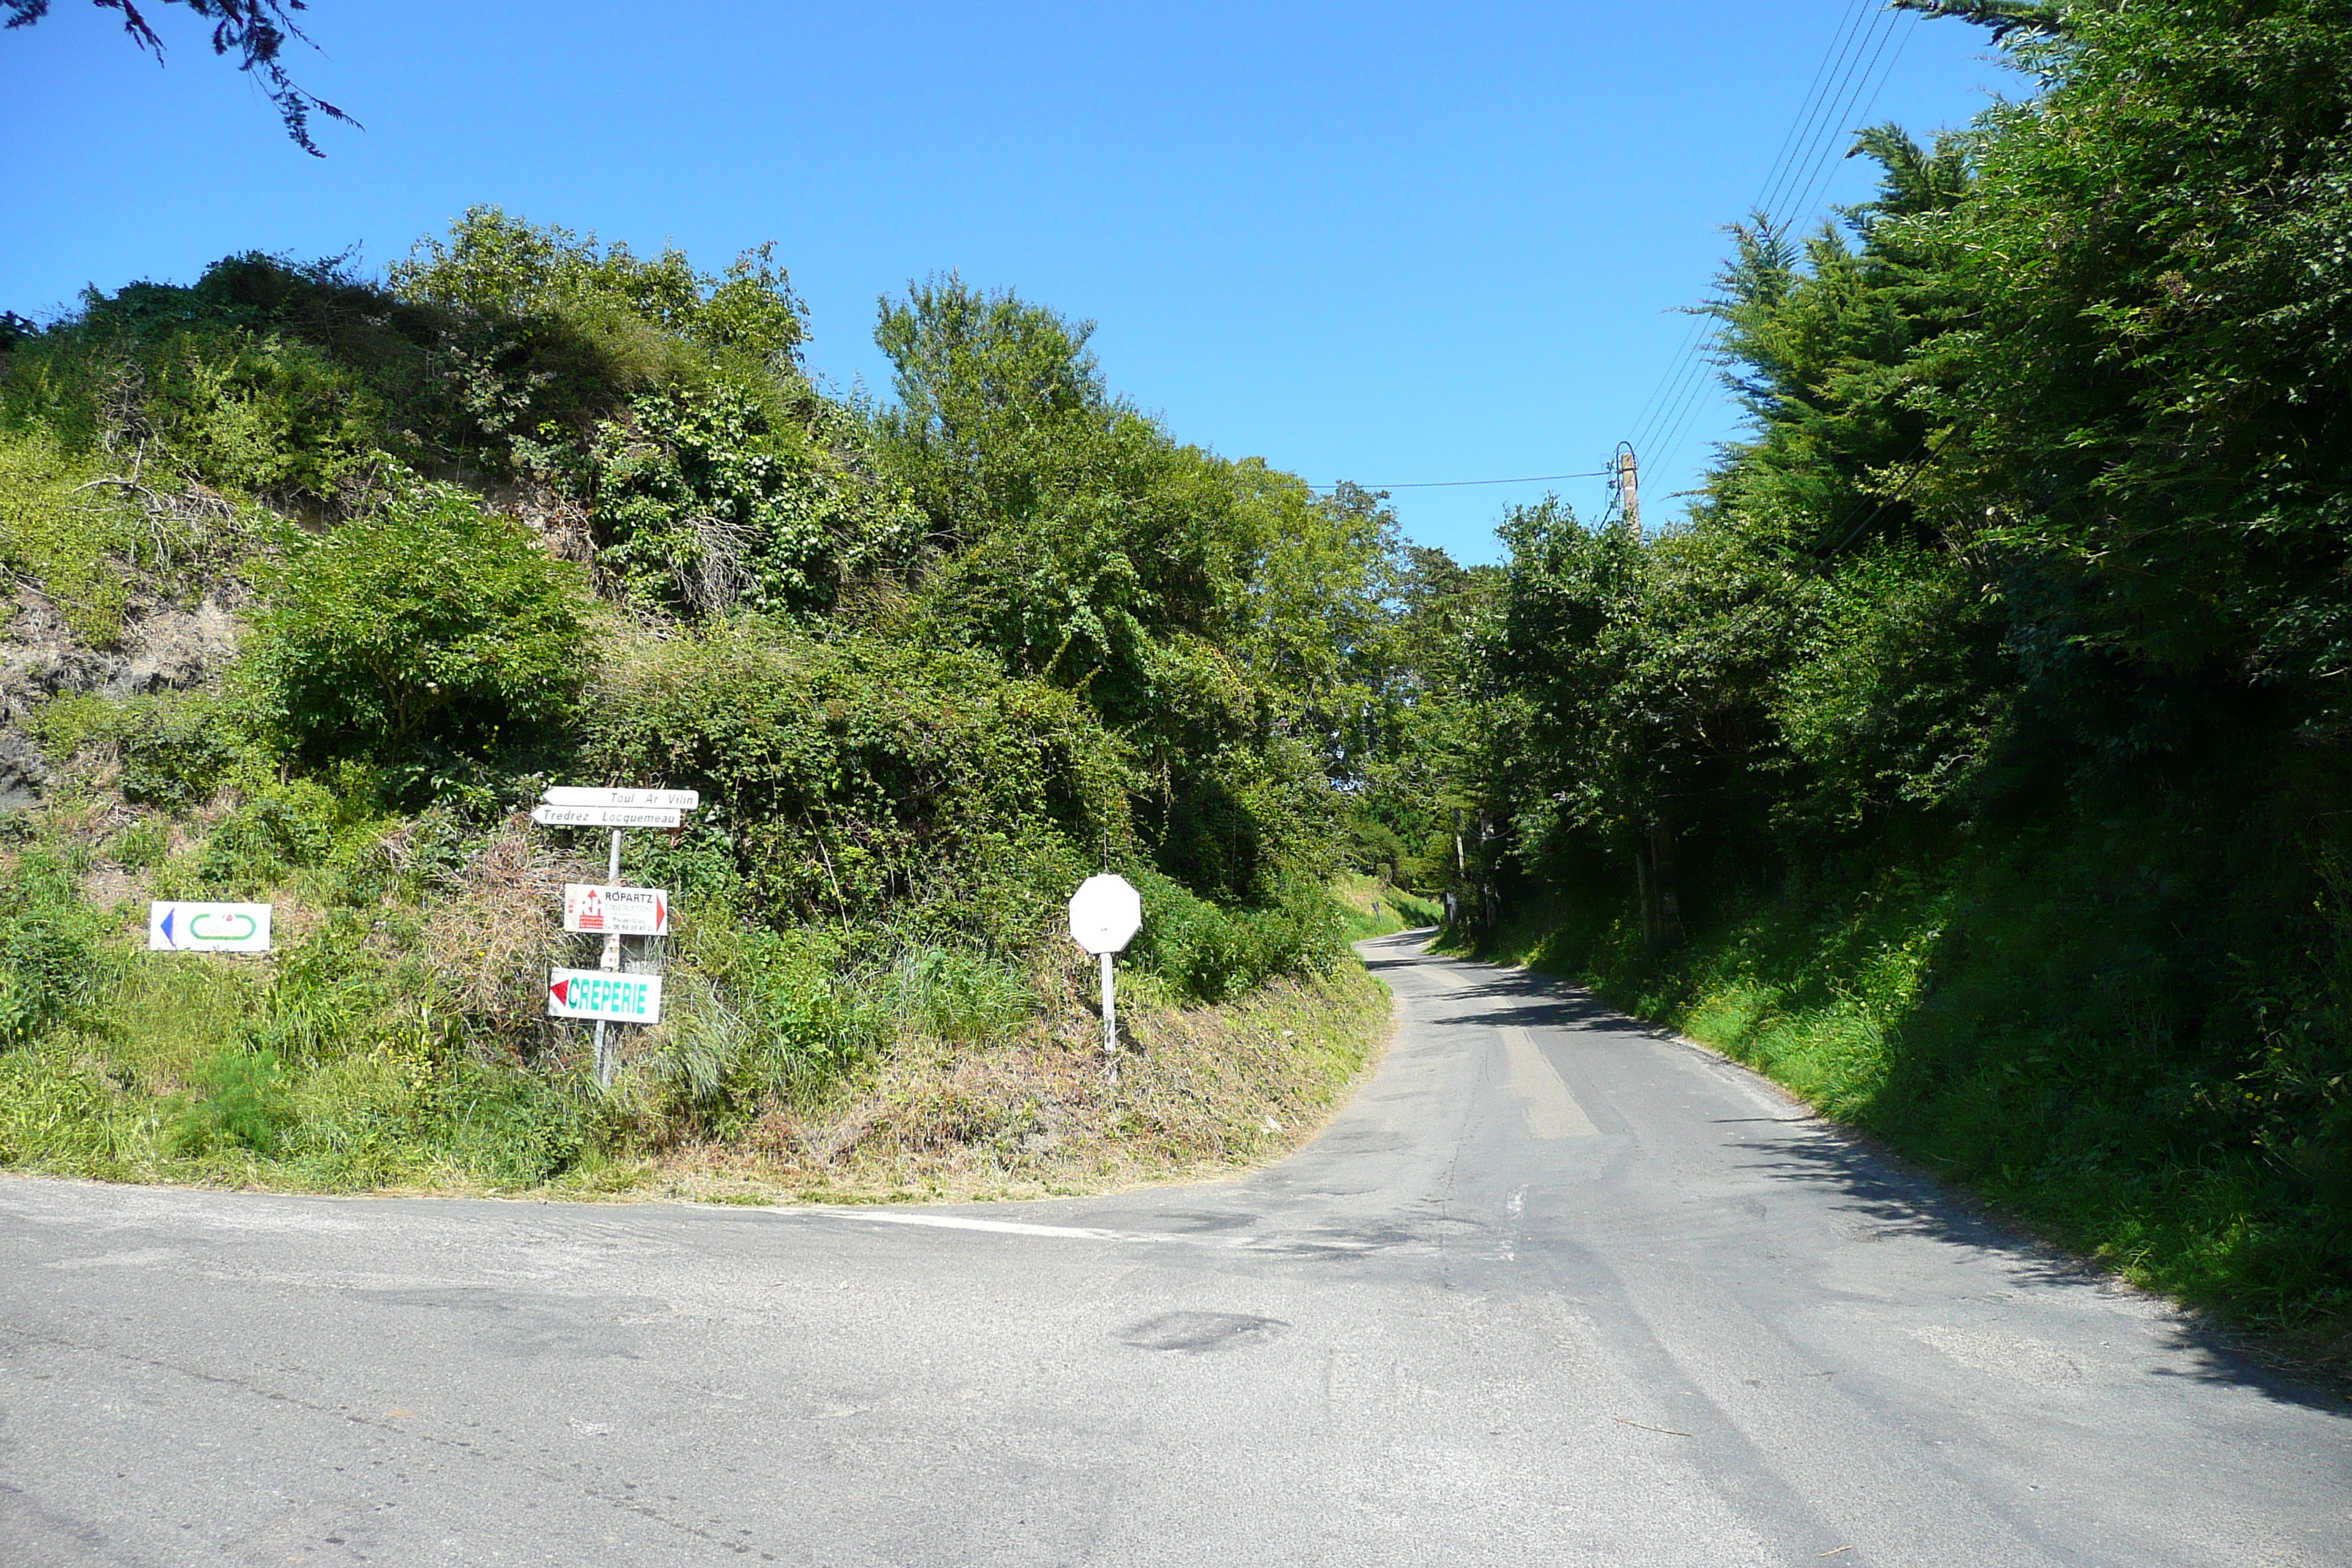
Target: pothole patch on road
[1196, 1333]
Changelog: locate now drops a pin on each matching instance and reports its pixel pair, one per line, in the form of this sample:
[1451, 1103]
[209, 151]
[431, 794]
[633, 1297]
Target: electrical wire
[1675, 399]
[1788, 137]
[1855, 70]
[1642, 413]
[1825, 164]
[1901, 490]
[1457, 484]
[1819, 115]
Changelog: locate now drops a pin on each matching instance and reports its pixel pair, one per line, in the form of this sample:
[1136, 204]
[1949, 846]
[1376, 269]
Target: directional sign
[605, 816]
[615, 911]
[207, 928]
[1105, 914]
[674, 799]
[605, 993]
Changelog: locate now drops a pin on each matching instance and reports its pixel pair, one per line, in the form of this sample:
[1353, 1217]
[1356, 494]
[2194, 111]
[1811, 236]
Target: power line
[1688, 359]
[1788, 137]
[1456, 484]
[1642, 413]
[1852, 74]
[1820, 126]
[1825, 162]
[1817, 116]
[1671, 433]
[1675, 399]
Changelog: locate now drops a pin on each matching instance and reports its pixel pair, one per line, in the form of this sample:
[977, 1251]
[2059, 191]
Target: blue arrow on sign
[167, 923]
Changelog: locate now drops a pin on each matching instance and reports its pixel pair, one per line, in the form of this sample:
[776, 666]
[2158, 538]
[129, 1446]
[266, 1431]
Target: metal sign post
[1105, 914]
[578, 994]
[609, 960]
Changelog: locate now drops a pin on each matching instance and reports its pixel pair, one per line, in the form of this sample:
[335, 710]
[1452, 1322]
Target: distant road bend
[1551, 1290]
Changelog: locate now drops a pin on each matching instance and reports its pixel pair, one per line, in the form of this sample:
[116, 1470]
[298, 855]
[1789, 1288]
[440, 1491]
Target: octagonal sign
[1105, 914]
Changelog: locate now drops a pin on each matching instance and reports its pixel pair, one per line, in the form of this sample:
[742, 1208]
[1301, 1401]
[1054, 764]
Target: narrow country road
[1550, 1290]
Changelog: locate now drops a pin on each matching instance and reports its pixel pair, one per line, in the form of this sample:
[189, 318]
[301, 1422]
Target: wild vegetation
[1973, 756]
[323, 577]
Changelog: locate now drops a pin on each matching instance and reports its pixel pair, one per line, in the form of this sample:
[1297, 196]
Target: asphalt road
[1550, 1290]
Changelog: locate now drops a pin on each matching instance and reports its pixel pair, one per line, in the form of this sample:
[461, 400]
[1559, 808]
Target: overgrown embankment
[321, 579]
[1985, 721]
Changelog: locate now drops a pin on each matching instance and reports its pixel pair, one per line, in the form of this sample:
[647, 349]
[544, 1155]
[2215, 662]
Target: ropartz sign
[615, 911]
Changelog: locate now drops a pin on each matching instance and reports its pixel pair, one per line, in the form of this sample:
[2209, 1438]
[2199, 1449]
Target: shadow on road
[1884, 1191]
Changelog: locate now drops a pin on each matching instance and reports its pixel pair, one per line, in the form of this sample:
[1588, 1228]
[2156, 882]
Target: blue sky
[1391, 244]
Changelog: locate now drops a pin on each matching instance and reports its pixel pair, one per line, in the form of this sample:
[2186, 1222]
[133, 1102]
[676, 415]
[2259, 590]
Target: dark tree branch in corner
[255, 31]
[2003, 17]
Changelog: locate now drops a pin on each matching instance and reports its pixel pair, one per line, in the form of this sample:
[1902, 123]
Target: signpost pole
[1110, 1020]
[609, 960]
[611, 910]
[1105, 914]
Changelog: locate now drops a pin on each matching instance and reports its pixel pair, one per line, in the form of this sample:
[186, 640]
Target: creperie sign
[602, 994]
[615, 911]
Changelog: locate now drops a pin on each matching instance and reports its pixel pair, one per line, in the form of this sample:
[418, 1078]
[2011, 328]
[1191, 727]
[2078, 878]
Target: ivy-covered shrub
[429, 631]
[705, 500]
[861, 781]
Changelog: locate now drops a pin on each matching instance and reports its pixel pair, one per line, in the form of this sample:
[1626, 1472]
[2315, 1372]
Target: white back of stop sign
[1105, 914]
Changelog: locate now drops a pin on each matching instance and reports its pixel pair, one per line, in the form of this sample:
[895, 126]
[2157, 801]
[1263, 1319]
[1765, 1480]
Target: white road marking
[1089, 1232]
[1551, 1110]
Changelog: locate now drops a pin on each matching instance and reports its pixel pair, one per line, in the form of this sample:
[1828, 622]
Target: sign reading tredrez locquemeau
[605, 993]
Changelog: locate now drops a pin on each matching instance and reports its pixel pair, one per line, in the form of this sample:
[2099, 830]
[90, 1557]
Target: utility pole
[1654, 857]
[1628, 474]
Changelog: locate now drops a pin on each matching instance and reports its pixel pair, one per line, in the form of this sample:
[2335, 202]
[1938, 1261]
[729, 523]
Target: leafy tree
[255, 31]
[1181, 593]
[2022, 606]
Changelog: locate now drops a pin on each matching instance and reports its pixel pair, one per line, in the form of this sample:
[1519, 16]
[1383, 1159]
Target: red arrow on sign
[661, 914]
[561, 991]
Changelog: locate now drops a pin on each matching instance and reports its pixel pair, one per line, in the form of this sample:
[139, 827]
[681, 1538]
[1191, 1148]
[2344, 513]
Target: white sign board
[207, 928]
[615, 911]
[655, 799]
[605, 993]
[605, 816]
[1105, 914]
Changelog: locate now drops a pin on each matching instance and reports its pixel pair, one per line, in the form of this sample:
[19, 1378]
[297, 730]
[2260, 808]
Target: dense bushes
[866, 781]
[1208, 953]
[425, 632]
[50, 942]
